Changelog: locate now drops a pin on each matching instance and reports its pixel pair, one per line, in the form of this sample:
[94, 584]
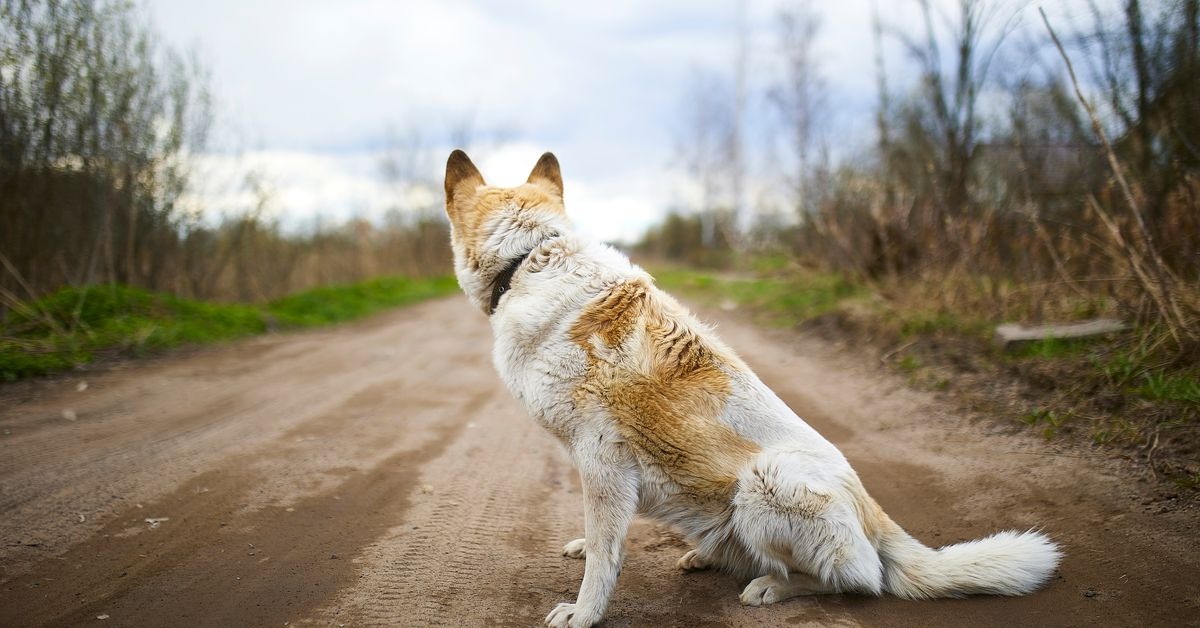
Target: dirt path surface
[379, 474]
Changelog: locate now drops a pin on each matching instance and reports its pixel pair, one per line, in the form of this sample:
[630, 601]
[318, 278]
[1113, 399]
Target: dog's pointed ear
[460, 172]
[546, 172]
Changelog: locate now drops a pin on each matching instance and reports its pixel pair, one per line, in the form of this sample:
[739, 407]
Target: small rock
[69, 414]
[426, 488]
[80, 387]
[104, 616]
[333, 557]
[1091, 592]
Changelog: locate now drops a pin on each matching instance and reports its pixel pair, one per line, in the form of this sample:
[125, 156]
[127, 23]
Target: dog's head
[491, 227]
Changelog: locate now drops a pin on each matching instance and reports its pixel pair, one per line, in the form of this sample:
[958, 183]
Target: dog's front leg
[610, 492]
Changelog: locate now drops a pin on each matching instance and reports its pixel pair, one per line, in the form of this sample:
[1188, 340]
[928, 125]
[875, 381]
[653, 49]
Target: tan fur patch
[804, 502]
[875, 522]
[663, 387]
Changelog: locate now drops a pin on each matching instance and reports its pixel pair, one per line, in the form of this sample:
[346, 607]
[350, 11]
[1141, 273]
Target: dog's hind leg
[799, 517]
[610, 496]
[771, 588]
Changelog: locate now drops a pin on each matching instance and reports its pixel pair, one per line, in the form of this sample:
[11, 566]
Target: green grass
[321, 306]
[1049, 420]
[918, 323]
[788, 300]
[909, 364]
[1134, 372]
[74, 325]
[1053, 348]
[1160, 386]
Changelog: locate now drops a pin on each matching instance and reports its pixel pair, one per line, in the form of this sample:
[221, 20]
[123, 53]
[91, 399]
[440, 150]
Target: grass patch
[909, 364]
[1048, 420]
[333, 304]
[1181, 388]
[914, 324]
[1134, 372]
[787, 300]
[1054, 348]
[74, 325]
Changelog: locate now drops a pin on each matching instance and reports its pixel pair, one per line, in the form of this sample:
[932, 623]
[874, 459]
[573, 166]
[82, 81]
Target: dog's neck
[503, 281]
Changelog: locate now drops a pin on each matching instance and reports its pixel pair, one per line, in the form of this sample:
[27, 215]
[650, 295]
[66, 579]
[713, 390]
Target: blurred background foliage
[989, 192]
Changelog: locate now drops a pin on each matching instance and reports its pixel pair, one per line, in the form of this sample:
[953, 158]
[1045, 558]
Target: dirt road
[379, 474]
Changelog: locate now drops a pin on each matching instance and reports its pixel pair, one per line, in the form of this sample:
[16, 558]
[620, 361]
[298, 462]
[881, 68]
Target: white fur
[793, 517]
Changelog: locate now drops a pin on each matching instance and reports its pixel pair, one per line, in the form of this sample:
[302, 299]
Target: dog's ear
[460, 172]
[547, 173]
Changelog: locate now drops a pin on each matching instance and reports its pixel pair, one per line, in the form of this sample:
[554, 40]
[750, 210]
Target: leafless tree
[1147, 60]
[706, 146]
[946, 111]
[800, 97]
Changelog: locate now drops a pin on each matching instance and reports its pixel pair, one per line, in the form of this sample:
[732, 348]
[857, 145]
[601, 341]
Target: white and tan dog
[662, 419]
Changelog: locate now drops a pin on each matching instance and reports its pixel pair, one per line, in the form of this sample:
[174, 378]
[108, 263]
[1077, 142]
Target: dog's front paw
[692, 561]
[570, 616]
[575, 549]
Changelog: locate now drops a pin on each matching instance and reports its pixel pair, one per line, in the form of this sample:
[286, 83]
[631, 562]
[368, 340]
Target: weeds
[914, 324]
[1171, 388]
[1054, 348]
[1049, 420]
[909, 364]
[787, 300]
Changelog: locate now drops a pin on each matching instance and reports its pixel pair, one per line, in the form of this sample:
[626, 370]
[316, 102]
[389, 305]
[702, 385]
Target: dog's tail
[1005, 563]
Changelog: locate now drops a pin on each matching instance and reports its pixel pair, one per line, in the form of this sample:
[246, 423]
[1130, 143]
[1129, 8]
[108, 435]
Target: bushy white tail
[1005, 563]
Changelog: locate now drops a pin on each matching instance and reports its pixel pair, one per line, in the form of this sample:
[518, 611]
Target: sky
[309, 93]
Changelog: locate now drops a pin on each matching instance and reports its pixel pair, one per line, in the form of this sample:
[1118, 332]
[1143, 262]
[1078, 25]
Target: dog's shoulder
[664, 381]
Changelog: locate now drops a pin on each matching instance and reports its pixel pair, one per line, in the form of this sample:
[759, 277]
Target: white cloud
[313, 86]
[300, 186]
[307, 186]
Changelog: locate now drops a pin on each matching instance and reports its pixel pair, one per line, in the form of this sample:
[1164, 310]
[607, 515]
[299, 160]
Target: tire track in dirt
[454, 553]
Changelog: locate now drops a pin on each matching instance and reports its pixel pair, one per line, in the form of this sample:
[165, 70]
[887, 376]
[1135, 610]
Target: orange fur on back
[663, 387]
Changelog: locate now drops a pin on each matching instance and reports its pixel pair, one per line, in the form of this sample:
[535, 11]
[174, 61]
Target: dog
[662, 419]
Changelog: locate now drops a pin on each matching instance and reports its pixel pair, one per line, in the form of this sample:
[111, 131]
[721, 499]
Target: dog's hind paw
[692, 561]
[767, 590]
[575, 549]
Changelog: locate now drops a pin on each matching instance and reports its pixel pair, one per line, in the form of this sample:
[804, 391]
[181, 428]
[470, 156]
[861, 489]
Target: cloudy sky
[309, 93]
